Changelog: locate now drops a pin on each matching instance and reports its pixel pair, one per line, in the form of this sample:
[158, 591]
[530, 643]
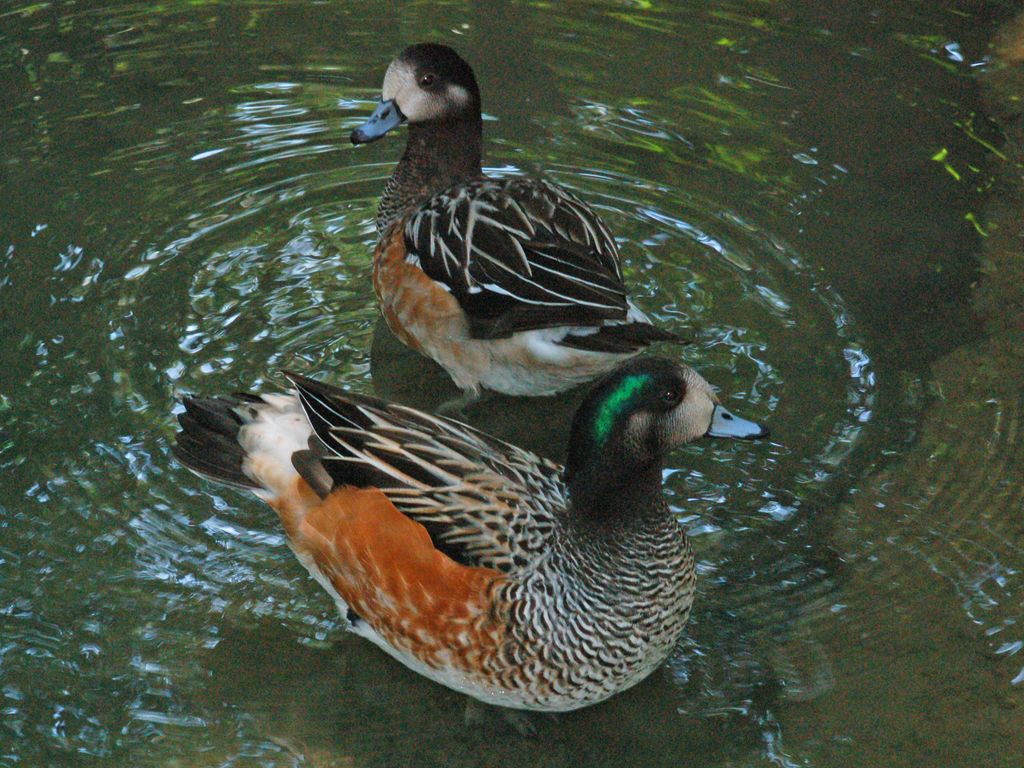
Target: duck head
[632, 419]
[427, 83]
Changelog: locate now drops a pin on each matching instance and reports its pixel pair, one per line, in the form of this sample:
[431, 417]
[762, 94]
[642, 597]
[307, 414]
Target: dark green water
[798, 186]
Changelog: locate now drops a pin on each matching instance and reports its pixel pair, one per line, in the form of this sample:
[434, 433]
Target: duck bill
[726, 424]
[386, 116]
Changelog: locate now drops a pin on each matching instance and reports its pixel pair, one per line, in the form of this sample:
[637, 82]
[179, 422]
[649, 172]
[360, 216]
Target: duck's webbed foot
[456, 407]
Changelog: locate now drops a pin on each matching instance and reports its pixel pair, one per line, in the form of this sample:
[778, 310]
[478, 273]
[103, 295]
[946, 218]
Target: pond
[800, 188]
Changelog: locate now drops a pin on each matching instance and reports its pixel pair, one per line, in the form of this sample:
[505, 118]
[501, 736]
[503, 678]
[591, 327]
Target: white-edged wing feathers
[484, 502]
[519, 254]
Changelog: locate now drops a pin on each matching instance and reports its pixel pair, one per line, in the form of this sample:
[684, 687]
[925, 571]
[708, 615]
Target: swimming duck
[482, 566]
[510, 284]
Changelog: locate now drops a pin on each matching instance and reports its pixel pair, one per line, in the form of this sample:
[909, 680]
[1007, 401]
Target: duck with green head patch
[632, 419]
[478, 564]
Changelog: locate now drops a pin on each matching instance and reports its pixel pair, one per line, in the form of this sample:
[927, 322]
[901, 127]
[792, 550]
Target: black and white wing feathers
[484, 502]
[519, 254]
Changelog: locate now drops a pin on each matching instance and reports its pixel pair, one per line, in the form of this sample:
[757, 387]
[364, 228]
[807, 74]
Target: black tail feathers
[624, 338]
[208, 440]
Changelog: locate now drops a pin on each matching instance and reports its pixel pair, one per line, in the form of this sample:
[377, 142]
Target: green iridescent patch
[615, 403]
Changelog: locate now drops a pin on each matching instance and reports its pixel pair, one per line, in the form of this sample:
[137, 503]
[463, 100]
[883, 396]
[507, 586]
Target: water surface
[798, 187]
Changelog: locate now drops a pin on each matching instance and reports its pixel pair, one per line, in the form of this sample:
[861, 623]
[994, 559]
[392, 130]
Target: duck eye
[427, 80]
[670, 396]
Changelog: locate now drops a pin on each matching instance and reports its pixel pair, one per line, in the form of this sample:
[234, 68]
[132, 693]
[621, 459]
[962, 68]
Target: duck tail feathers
[247, 441]
[208, 441]
[621, 338]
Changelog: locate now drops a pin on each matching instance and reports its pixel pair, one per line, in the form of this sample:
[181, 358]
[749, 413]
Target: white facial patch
[398, 77]
[415, 103]
[457, 95]
[693, 415]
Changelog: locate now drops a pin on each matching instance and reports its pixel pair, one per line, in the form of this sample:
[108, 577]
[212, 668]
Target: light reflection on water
[194, 219]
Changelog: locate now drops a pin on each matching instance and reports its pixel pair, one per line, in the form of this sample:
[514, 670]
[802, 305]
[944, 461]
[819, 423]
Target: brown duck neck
[438, 155]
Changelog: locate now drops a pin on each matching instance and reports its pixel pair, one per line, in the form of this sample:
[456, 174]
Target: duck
[513, 285]
[505, 576]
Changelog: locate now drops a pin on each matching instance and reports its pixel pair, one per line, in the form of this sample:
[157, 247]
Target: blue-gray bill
[386, 116]
[726, 424]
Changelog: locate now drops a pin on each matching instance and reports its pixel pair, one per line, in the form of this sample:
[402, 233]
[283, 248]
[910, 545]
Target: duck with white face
[420, 89]
[510, 284]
